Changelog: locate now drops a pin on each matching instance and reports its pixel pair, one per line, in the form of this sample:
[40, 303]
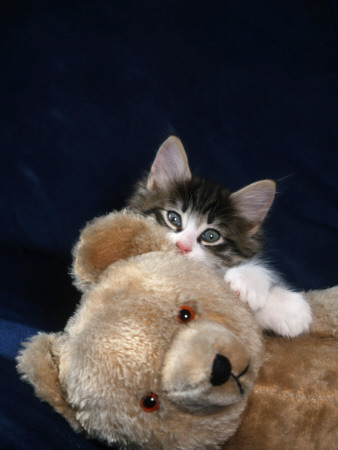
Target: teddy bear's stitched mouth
[237, 377]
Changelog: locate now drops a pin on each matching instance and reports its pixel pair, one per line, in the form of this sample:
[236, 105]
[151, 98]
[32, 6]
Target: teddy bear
[160, 354]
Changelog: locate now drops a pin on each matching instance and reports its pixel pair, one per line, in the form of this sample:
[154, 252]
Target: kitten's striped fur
[214, 207]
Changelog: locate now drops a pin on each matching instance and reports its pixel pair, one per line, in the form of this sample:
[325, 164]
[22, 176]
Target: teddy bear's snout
[206, 366]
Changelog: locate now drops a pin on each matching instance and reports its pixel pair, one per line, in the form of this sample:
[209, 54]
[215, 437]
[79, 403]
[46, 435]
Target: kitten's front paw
[248, 286]
[286, 313]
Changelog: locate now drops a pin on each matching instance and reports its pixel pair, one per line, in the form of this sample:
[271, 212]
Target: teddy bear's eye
[150, 402]
[185, 314]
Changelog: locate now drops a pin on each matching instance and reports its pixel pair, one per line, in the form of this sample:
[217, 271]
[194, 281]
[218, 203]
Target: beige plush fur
[294, 403]
[126, 340]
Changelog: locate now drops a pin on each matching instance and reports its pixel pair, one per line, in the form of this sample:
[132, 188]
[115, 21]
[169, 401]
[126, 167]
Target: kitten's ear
[253, 201]
[171, 163]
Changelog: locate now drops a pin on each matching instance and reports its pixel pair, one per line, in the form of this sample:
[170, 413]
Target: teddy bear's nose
[221, 370]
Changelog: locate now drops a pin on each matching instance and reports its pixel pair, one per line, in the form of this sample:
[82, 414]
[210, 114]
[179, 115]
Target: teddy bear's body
[161, 355]
[294, 403]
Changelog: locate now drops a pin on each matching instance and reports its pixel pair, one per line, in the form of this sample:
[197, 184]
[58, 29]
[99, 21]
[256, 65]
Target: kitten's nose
[184, 249]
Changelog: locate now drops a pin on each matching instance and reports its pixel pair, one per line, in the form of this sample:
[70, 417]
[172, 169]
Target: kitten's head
[205, 220]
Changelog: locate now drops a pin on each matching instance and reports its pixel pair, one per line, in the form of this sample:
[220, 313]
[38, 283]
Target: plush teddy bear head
[158, 355]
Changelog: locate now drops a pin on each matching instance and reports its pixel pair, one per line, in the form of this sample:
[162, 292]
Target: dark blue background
[89, 90]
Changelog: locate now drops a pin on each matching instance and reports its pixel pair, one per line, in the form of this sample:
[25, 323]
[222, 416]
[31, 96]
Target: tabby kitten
[221, 230]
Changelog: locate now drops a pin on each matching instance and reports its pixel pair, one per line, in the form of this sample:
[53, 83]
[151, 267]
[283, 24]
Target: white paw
[285, 312]
[249, 285]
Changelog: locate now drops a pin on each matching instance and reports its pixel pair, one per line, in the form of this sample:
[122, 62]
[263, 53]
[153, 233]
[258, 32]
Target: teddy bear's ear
[108, 239]
[38, 364]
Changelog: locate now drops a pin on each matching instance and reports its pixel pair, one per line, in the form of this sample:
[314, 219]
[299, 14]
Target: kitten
[223, 231]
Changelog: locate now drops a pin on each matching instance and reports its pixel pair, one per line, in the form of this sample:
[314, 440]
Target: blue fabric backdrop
[89, 90]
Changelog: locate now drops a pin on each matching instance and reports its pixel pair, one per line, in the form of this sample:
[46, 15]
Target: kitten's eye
[174, 219]
[211, 236]
[185, 314]
[150, 402]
